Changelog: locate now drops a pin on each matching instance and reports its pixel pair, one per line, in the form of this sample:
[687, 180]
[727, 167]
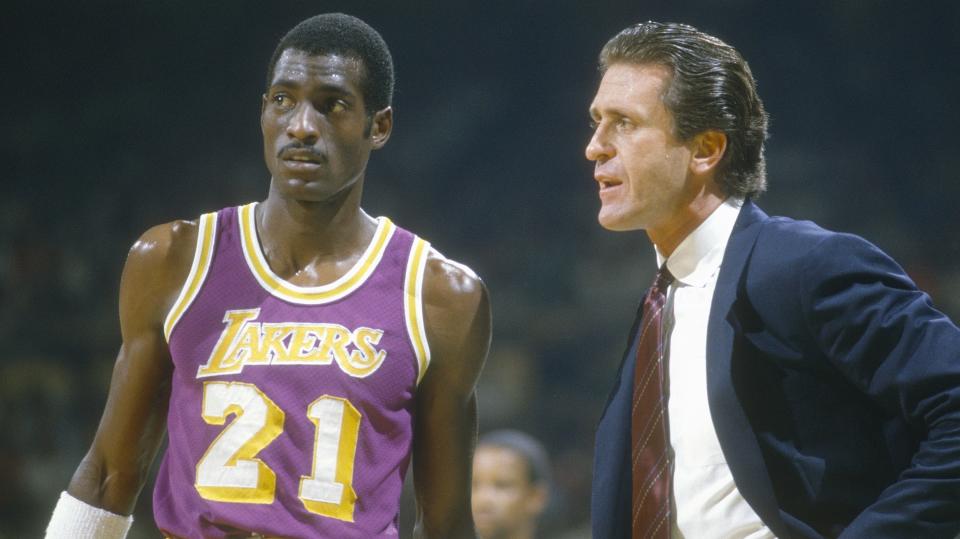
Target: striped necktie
[652, 464]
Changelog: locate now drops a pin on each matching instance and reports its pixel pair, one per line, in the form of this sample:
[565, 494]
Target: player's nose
[304, 124]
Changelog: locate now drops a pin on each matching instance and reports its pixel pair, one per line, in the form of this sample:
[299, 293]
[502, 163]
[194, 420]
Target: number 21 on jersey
[230, 471]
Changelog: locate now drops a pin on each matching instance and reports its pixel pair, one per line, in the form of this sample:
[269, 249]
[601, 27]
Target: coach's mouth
[607, 182]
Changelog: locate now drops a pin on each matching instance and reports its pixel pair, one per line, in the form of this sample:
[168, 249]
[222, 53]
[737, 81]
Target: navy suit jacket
[834, 387]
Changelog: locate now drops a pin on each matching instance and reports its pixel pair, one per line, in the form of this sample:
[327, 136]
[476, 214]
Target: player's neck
[297, 232]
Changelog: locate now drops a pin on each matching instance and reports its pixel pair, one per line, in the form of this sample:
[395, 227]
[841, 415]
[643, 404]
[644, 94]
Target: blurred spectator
[511, 485]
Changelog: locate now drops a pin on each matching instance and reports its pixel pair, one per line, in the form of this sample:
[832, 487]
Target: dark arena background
[123, 115]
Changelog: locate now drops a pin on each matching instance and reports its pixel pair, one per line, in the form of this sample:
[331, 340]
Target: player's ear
[381, 125]
[708, 148]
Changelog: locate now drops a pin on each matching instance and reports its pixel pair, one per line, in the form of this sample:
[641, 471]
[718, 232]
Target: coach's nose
[599, 148]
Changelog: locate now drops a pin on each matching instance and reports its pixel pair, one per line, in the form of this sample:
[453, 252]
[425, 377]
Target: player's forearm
[444, 506]
[111, 488]
[456, 525]
[97, 504]
[445, 475]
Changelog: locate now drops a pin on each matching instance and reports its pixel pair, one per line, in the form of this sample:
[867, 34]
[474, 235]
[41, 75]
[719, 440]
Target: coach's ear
[381, 125]
[707, 150]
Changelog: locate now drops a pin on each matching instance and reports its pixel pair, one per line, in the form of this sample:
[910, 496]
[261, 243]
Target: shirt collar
[697, 259]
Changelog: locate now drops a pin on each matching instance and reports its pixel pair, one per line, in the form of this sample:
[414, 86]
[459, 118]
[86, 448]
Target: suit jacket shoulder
[834, 375]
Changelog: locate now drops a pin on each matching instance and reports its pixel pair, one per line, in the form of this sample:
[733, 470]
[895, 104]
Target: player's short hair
[711, 88]
[527, 447]
[338, 33]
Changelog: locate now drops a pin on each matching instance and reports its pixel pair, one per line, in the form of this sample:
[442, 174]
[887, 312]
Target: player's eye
[283, 101]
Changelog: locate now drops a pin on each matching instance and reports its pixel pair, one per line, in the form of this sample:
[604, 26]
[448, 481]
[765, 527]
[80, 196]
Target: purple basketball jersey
[291, 407]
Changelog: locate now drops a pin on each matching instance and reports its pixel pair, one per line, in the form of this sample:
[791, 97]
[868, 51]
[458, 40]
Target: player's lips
[305, 158]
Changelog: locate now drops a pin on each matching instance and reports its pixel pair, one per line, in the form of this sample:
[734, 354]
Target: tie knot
[664, 278]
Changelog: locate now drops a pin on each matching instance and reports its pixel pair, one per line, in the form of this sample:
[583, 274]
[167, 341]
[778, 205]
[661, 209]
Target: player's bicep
[152, 276]
[457, 313]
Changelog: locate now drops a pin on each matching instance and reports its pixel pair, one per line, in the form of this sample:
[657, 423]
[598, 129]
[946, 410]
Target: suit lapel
[629, 352]
[737, 439]
[611, 496]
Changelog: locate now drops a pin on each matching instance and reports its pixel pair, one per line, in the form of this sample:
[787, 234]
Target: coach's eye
[624, 124]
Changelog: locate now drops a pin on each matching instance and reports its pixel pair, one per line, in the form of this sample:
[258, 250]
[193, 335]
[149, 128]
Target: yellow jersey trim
[312, 295]
[206, 236]
[413, 304]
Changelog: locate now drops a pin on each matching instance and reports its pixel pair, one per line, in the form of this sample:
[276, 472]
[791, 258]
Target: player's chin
[307, 189]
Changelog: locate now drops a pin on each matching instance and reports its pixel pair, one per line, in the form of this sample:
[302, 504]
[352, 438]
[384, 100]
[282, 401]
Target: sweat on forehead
[296, 66]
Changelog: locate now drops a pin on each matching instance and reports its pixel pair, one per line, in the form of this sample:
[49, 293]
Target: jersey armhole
[198, 272]
[413, 304]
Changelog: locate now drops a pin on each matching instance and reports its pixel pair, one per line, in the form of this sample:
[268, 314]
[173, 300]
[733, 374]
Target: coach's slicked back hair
[527, 447]
[338, 33]
[711, 88]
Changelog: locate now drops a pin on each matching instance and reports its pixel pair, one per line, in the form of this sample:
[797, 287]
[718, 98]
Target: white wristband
[74, 519]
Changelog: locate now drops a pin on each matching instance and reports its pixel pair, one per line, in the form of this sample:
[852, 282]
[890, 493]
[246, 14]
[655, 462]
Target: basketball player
[511, 484]
[294, 350]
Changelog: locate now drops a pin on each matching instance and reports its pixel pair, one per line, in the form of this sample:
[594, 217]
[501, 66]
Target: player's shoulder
[450, 282]
[160, 259]
[166, 244]
[458, 323]
[453, 295]
[156, 267]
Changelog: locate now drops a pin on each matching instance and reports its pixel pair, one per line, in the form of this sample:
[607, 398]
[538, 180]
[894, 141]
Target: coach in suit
[781, 380]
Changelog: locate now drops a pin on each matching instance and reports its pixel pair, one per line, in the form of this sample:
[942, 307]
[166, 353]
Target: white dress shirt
[708, 504]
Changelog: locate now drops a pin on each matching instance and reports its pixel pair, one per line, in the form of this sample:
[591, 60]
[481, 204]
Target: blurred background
[123, 115]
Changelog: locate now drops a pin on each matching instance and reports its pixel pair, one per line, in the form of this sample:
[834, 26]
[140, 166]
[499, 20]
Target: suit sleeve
[886, 337]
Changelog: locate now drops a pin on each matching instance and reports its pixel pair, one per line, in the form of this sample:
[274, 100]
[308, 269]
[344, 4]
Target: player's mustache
[301, 148]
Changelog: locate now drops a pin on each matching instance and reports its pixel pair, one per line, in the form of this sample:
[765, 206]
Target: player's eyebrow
[326, 87]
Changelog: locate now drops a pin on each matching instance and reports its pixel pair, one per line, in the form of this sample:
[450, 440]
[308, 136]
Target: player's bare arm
[457, 313]
[131, 429]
